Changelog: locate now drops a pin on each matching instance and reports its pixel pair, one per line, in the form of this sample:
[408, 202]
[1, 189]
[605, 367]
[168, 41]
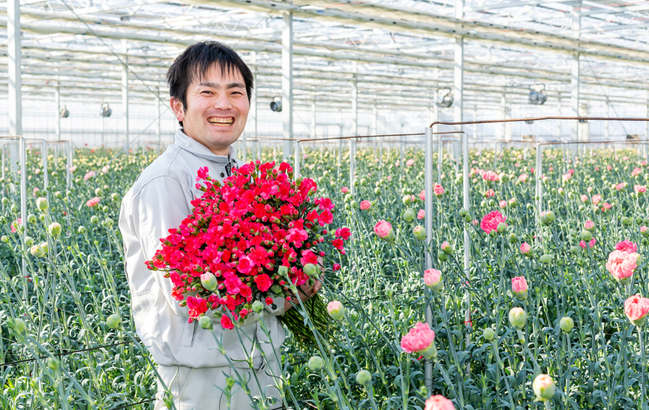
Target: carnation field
[60, 350]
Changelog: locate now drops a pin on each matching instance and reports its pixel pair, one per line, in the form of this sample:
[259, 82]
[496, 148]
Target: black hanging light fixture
[444, 97]
[276, 104]
[537, 94]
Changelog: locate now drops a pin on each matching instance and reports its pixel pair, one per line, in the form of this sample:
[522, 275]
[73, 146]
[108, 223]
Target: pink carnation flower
[490, 193]
[92, 202]
[89, 175]
[365, 205]
[626, 246]
[503, 204]
[410, 162]
[640, 189]
[620, 186]
[523, 178]
[419, 338]
[584, 198]
[422, 195]
[519, 284]
[432, 277]
[438, 190]
[525, 248]
[491, 220]
[622, 264]
[383, 229]
[344, 190]
[590, 244]
[636, 171]
[596, 199]
[636, 309]
[439, 402]
[421, 214]
[589, 225]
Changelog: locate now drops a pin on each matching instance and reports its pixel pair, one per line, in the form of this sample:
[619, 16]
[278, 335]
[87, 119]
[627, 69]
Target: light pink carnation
[626, 246]
[589, 225]
[438, 190]
[432, 277]
[636, 308]
[503, 204]
[584, 198]
[621, 264]
[439, 402]
[519, 284]
[636, 171]
[419, 338]
[383, 229]
[590, 244]
[491, 220]
[410, 162]
[365, 205]
[490, 176]
[89, 175]
[640, 189]
[620, 186]
[422, 195]
[92, 202]
[525, 248]
[344, 190]
[490, 193]
[523, 178]
[596, 199]
[421, 214]
[566, 177]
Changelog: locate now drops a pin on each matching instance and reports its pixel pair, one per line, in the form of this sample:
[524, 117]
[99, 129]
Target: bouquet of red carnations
[245, 240]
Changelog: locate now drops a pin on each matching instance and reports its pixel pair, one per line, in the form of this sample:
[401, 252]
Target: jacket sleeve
[162, 204]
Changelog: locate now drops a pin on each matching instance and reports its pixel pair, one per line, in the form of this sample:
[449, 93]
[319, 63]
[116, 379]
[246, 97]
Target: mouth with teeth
[221, 122]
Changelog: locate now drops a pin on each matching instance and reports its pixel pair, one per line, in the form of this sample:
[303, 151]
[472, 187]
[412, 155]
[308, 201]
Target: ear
[177, 108]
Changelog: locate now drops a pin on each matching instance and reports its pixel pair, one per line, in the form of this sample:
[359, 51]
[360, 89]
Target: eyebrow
[215, 85]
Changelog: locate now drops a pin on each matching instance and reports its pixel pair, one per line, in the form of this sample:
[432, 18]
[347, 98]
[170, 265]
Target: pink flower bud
[438, 190]
[589, 225]
[383, 230]
[526, 249]
[636, 309]
[438, 402]
[336, 310]
[421, 214]
[365, 205]
[433, 279]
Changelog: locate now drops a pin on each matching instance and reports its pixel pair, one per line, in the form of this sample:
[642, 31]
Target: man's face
[217, 109]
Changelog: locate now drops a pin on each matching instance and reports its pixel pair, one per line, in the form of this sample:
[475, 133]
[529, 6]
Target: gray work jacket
[158, 201]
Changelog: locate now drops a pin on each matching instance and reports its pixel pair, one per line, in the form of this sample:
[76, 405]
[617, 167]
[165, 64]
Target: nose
[222, 102]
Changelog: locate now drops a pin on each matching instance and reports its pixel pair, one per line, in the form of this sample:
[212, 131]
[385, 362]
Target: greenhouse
[259, 204]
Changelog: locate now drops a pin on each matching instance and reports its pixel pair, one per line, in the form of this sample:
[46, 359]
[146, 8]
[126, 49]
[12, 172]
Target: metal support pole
[69, 164]
[558, 121]
[538, 174]
[354, 98]
[45, 168]
[352, 165]
[375, 121]
[158, 130]
[574, 77]
[313, 120]
[287, 82]
[14, 68]
[23, 208]
[428, 208]
[57, 99]
[296, 169]
[125, 95]
[606, 123]
[403, 155]
[440, 156]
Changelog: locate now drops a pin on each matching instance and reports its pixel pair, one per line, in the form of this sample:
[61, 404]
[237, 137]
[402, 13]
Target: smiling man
[210, 89]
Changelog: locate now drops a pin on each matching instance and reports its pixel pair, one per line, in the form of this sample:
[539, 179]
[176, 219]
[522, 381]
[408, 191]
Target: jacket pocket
[187, 339]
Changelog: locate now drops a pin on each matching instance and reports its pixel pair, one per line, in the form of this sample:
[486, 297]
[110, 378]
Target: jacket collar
[196, 148]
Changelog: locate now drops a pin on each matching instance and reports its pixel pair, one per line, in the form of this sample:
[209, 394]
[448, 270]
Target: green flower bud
[31, 218]
[53, 364]
[205, 323]
[113, 321]
[108, 223]
[336, 310]
[316, 363]
[543, 387]
[257, 306]
[586, 236]
[566, 324]
[18, 326]
[502, 227]
[517, 318]
[58, 195]
[55, 229]
[545, 258]
[37, 251]
[29, 241]
[363, 377]
[114, 196]
[81, 229]
[419, 232]
[4, 239]
[310, 269]
[94, 219]
[489, 334]
[98, 191]
[408, 215]
[45, 246]
[547, 217]
[42, 204]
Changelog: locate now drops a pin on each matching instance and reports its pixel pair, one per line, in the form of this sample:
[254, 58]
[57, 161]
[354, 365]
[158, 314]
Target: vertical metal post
[352, 164]
[14, 68]
[354, 98]
[440, 156]
[287, 82]
[428, 208]
[158, 130]
[313, 119]
[606, 123]
[574, 76]
[503, 109]
[125, 95]
[57, 99]
[23, 208]
[375, 120]
[297, 160]
[45, 168]
[559, 121]
[403, 155]
[3, 161]
[380, 159]
[69, 164]
[538, 174]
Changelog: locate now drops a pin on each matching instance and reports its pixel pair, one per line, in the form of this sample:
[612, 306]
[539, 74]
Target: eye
[206, 92]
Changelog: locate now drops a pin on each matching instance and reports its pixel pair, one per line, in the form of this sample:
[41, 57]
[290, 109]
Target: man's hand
[305, 292]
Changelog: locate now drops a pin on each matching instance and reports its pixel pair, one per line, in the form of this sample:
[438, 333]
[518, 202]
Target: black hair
[196, 60]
